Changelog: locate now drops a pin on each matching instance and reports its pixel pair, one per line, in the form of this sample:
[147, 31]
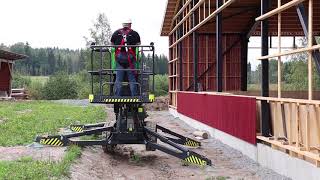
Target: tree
[100, 33]
[249, 73]
[51, 62]
[28, 60]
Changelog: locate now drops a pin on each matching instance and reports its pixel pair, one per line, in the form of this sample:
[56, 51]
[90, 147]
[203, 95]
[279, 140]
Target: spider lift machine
[130, 126]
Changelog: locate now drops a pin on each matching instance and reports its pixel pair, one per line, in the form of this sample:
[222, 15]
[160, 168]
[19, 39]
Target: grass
[135, 158]
[20, 122]
[40, 79]
[26, 168]
[272, 87]
[257, 87]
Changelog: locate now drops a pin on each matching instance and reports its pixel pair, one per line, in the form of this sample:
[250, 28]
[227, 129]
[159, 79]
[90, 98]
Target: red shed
[7, 60]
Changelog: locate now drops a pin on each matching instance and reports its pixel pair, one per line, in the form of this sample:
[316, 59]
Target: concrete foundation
[278, 161]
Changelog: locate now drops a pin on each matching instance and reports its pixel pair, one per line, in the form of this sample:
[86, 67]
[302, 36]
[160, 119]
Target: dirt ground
[227, 162]
[41, 153]
[95, 164]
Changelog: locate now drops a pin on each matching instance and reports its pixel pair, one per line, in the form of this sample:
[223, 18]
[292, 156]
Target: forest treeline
[47, 61]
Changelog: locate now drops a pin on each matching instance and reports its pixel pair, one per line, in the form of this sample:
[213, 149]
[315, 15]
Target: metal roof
[7, 55]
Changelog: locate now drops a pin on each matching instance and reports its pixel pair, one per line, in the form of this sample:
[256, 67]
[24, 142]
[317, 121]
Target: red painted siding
[230, 114]
[4, 77]
[207, 58]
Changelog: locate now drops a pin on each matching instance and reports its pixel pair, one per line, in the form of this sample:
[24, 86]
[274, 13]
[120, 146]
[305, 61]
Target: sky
[63, 23]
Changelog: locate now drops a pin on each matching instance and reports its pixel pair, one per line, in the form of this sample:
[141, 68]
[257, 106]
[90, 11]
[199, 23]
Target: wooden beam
[279, 51]
[289, 100]
[186, 4]
[307, 131]
[212, 15]
[296, 51]
[186, 16]
[279, 9]
[291, 148]
[310, 44]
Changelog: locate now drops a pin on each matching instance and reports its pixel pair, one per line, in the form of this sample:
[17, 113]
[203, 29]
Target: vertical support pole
[219, 57]
[298, 126]
[195, 51]
[304, 23]
[310, 44]
[153, 74]
[91, 61]
[265, 108]
[265, 50]
[180, 56]
[100, 72]
[244, 62]
[279, 51]
[180, 67]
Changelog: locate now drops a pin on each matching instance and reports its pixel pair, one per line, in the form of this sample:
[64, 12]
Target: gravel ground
[227, 162]
[76, 102]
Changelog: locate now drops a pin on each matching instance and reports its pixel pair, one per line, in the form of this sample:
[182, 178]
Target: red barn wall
[230, 114]
[207, 62]
[5, 77]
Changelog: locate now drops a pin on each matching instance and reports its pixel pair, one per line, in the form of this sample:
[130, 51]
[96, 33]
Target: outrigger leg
[150, 137]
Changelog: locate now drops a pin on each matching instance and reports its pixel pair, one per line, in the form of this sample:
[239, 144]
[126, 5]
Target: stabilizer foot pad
[192, 143]
[77, 128]
[197, 159]
[50, 140]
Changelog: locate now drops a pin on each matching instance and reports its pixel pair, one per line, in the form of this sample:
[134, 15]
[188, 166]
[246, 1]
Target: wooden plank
[297, 127]
[279, 51]
[286, 53]
[317, 120]
[279, 9]
[185, 5]
[212, 15]
[311, 155]
[273, 110]
[185, 17]
[314, 127]
[310, 43]
[307, 129]
[173, 107]
[300, 101]
[303, 113]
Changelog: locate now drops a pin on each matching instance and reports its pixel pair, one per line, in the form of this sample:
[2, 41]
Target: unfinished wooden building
[208, 55]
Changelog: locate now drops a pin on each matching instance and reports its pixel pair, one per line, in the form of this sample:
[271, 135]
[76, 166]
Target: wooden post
[279, 51]
[310, 43]
[297, 126]
[308, 128]
[219, 56]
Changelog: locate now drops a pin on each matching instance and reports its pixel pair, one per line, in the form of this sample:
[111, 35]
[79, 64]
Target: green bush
[35, 90]
[60, 86]
[161, 85]
[20, 81]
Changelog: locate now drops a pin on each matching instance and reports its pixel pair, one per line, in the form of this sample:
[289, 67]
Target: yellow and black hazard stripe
[195, 160]
[191, 143]
[77, 128]
[112, 100]
[51, 141]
